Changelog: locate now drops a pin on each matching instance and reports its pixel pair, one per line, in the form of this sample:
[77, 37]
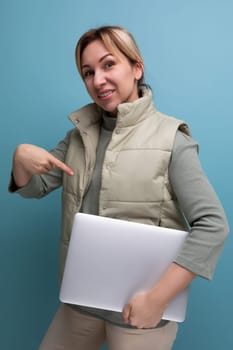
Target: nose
[99, 78]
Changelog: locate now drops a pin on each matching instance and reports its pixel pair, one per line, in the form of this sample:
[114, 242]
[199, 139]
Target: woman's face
[109, 79]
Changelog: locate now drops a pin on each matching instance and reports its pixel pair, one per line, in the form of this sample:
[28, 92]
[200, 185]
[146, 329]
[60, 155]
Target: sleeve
[200, 206]
[41, 185]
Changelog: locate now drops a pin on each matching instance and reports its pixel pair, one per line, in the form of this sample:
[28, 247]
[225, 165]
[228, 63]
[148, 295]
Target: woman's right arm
[30, 160]
[36, 172]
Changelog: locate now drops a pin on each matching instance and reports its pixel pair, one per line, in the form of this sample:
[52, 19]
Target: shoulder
[184, 146]
[183, 140]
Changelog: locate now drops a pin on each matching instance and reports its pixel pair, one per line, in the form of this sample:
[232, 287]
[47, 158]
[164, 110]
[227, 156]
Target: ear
[139, 70]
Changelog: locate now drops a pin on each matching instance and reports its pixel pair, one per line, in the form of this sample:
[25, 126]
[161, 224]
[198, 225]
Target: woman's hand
[146, 309]
[143, 310]
[30, 160]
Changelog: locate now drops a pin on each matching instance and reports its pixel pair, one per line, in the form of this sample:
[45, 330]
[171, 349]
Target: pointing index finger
[63, 166]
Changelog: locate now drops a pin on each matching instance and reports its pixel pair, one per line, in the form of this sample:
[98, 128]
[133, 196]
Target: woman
[125, 159]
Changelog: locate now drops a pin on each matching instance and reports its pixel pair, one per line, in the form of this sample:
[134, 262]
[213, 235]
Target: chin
[112, 111]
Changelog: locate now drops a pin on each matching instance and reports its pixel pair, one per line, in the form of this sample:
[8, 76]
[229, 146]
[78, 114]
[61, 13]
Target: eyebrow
[100, 60]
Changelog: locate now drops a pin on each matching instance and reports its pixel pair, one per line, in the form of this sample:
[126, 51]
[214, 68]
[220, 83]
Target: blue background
[188, 52]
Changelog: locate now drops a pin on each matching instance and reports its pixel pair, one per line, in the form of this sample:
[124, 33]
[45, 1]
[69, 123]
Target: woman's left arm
[201, 207]
[201, 250]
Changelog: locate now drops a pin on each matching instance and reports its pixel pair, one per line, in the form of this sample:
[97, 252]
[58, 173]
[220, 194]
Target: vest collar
[134, 112]
[86, 117]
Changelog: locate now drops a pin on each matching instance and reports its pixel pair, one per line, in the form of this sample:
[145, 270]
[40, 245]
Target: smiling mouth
[105, 94]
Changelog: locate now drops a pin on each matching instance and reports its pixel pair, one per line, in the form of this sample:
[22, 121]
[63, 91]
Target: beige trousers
[72, 330]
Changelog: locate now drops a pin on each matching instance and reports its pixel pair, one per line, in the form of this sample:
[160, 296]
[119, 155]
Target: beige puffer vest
[135, 184]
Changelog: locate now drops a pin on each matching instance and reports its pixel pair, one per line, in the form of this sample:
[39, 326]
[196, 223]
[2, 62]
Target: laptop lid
[110, 260]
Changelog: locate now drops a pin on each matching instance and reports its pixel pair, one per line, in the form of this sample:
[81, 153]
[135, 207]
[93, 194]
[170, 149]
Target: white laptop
[109, 260]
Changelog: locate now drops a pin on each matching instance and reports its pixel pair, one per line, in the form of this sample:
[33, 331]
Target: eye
[88, 73]
[109, 64]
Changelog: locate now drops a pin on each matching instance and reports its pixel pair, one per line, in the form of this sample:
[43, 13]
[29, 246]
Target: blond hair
[116, 39]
